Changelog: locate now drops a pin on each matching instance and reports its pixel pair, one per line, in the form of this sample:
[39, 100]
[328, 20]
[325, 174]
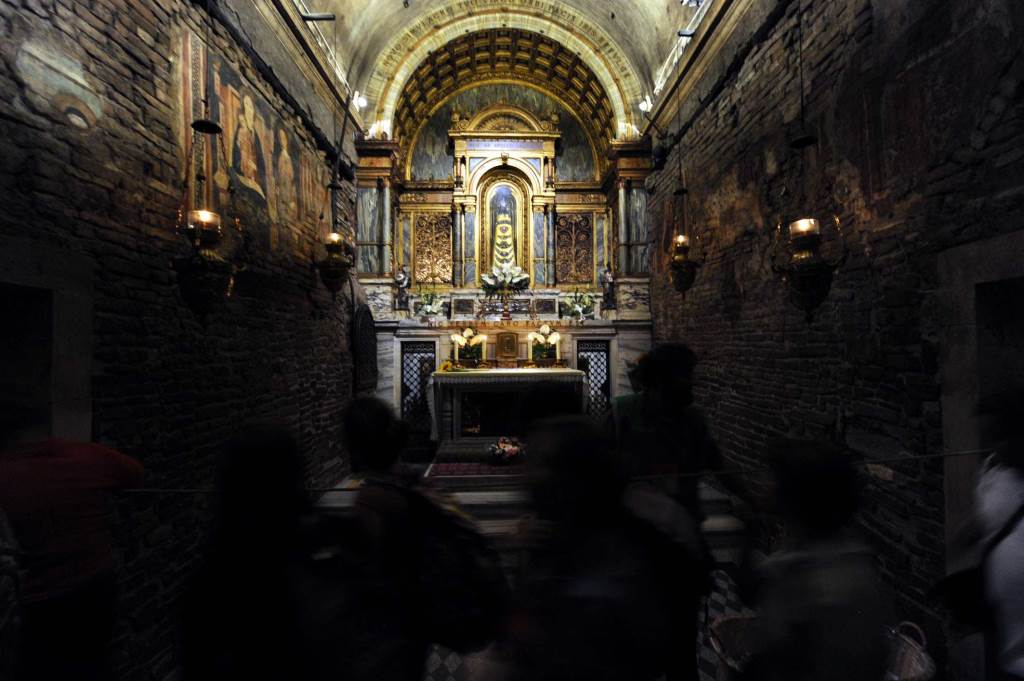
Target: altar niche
[505, 239]
[504, 173]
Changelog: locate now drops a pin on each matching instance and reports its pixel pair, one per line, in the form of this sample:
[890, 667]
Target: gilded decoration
[433, 249]
[482, 57]
[574, 249]
[505, 208]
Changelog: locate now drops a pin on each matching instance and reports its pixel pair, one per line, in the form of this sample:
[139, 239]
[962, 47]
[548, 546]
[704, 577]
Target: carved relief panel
[574, 249]
[432, 244]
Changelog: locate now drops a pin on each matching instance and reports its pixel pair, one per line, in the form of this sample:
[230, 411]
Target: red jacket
[55, 494]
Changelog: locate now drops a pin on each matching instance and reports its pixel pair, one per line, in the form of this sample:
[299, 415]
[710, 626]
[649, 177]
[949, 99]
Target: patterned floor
[444, 665]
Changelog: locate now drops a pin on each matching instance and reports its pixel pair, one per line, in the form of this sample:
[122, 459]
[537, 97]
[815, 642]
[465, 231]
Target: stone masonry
[919, 111]
[168, 386]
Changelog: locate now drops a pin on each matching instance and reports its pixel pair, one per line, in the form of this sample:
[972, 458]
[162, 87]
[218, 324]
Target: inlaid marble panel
[406, 239]
[638, 224]
[470, 264]
[367, 228]
[599, 239]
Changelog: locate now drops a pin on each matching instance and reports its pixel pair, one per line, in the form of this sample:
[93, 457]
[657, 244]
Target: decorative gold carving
[504, 123]
[574, 249]
[549, 67]
[433, 248]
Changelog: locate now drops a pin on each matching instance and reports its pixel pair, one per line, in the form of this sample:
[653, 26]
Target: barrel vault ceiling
[620, 43]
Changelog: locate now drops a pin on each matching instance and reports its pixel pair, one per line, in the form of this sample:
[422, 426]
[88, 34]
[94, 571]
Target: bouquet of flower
[578, 306]
[469, 344]
[544, 343]
[506, 450]
[504, 280]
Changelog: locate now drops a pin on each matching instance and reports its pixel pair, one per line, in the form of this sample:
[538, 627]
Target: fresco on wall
[432, 159]
[279, 182]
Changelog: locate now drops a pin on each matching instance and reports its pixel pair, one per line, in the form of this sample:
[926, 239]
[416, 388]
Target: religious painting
[278, 182]
[574, 249]
[432, 248]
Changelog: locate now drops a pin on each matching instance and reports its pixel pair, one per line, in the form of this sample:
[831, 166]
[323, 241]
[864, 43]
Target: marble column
[623, 253]
[458, 232]
[549, 219]
[386, 256]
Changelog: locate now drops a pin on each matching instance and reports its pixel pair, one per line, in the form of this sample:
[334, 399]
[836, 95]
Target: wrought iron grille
[419, 359]
[593, 357]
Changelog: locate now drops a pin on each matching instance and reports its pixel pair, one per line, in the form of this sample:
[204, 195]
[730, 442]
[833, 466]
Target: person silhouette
[56, 493]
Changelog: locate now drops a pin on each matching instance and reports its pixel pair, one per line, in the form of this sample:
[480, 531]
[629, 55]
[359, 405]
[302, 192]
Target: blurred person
[56, 493]
[246, 611]
[1000, 514]
[822, 612]
[597, 596]
[665, 444]
[659, 432]
[430, 577]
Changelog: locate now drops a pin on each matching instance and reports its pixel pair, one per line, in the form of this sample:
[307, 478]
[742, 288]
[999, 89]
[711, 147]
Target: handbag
[909, 660]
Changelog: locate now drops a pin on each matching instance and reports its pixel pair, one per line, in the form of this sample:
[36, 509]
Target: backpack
[364, 346]
[462, 590]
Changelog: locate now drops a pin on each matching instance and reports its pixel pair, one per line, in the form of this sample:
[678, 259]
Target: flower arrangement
[446, 365]
[506, 450]
[544, 343]
[578, 306]
[431, 304]
[469, 344]
[504, 280]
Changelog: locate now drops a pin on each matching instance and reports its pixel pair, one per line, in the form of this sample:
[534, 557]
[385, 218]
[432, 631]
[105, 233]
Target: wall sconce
[335, 267]
[684, 270]
[802, 266]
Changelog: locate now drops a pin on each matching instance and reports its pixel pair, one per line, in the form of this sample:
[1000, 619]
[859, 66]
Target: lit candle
[334, 237]
[804, 227]
[203, 219]
[682, 240]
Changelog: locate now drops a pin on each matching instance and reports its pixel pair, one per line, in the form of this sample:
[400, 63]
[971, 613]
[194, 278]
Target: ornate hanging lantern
[206, 276]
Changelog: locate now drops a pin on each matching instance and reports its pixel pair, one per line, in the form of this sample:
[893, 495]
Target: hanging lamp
[336, 266]
[797, 255]
[205, 277]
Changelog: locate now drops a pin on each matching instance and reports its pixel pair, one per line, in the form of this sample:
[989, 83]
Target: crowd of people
[611, 568]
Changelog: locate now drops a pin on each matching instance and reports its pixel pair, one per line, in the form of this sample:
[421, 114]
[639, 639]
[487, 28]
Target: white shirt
[1000, 495]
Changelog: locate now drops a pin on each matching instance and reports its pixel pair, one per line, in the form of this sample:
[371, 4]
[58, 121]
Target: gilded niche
[574, 249]
[433, 249]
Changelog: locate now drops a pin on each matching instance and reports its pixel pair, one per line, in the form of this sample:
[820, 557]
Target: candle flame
[334, 237]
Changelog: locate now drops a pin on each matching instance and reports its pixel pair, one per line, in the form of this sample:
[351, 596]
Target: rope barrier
[727, 472]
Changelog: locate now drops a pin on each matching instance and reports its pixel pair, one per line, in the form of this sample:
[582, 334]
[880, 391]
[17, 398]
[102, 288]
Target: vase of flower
[502, 282]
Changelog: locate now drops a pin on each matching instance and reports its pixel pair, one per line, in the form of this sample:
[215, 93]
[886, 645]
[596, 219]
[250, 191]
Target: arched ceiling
[623, 42]
[503, 54]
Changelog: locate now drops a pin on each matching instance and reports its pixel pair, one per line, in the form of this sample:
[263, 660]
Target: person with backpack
[429, 575]
[665, 444]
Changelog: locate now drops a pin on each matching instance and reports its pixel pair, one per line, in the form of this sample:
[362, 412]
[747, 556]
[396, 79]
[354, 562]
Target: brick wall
[169, 386]
[918, 108]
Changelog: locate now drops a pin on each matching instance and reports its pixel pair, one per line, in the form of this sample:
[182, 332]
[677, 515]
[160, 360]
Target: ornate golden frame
[521, 189]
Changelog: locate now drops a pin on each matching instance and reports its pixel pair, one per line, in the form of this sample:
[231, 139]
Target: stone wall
[91, 161]
[919, 111]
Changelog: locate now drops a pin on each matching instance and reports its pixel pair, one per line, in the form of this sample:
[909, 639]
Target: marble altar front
[471, 409]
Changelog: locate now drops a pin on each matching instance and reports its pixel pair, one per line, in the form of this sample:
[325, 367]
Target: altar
[502, 254]
[472, 409]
